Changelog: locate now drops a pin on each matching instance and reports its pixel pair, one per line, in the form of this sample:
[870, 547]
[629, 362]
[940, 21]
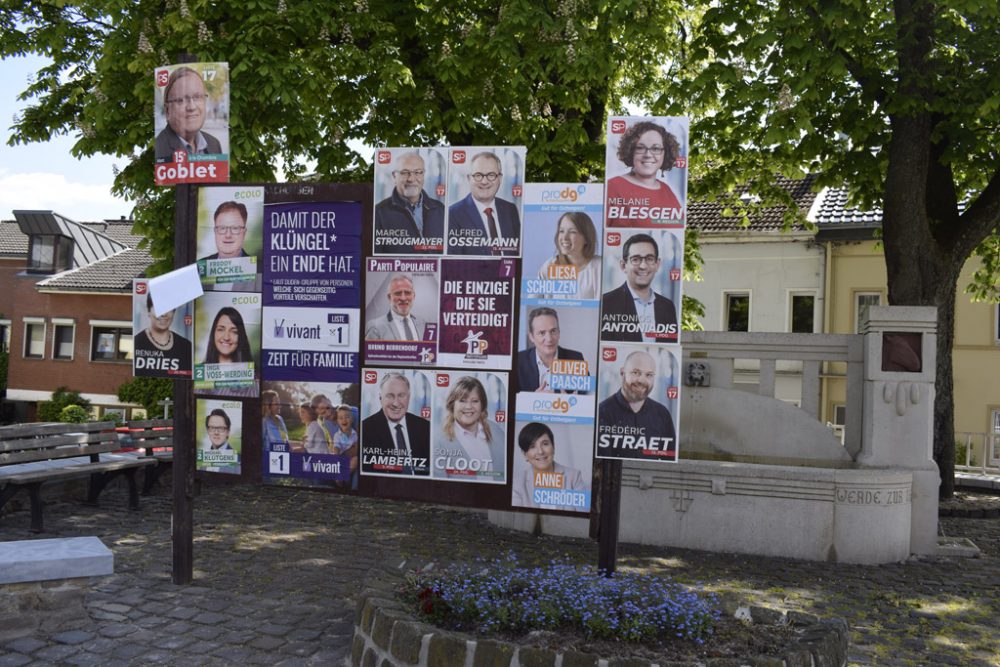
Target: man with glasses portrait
[230, 230]
[409, 220]
[634, 312]
[184, 101]
[482, 223]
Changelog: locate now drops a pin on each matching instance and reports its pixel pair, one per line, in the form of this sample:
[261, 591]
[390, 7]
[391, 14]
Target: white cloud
[49, 191]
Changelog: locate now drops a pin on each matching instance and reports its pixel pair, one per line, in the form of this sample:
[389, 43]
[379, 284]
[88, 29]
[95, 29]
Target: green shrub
[74, 414]
[51, 411]
[147, 392]
[960, 454]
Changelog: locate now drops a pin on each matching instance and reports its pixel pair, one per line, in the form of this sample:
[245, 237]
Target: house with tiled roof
[856, 280]
[65, 309]
[758, 276]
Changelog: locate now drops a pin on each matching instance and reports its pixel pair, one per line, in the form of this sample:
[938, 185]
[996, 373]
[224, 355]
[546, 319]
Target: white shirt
[400, 328]
[406, 435]
[475, 444]
[543, 369]
[486, 223]
[644, 309]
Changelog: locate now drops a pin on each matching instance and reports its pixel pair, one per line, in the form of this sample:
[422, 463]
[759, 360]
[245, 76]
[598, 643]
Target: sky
[45, 175]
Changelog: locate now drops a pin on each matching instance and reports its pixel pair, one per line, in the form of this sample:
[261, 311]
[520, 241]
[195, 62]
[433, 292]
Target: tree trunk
[944, 396]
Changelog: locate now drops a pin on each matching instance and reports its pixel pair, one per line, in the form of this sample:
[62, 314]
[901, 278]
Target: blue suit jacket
[527, 367]
[463, 214]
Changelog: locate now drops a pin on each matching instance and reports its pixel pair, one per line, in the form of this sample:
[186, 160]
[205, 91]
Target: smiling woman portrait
[470, 443]
[649, 151]
[538, 446]
[227, 341]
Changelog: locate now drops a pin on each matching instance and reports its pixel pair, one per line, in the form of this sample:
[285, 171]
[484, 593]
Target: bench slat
[65, 452]
[150, 423]
[20, 444]
[32, 430]
[81, 470]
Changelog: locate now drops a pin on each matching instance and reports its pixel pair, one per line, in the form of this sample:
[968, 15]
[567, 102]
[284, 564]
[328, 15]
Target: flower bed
[390, 630]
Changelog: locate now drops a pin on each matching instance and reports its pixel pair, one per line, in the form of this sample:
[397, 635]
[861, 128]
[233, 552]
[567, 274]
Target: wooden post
[182, 524]
[611, 495]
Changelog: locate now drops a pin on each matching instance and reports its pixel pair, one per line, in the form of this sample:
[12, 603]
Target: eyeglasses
[489, 177]
[410, 173]
[218, 429]
[637, 260]
[229, 229]
[187, 99]
[652, 150]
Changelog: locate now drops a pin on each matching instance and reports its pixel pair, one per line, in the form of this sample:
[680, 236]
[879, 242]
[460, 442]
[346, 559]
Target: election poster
[401, 310]
[558, 349]
[191, 121]
[219, 435]
[310, 433]
[229, 237]
[553, 465]
[396, 422]
[563, 233]
[469, 427]
[643, 271]
[646, 171]
[313, 254]
[485, 196]
[638, 402]
[410, 211]
[477, 313]
[227, 343]
[162, 342]
[312, 291]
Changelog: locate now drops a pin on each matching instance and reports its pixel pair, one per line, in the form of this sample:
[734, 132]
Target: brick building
[65, 308]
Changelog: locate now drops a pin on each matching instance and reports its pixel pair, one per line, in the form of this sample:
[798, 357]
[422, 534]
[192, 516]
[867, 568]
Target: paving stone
[116, 631]
[232, 653]
[24, 645]
[73, 637]
[56, 653]
[207, 632]
[86, 659]
[128, 651]
[267, 643]
[274, 629]
[14, 660]
[183, 613]
[174, 643]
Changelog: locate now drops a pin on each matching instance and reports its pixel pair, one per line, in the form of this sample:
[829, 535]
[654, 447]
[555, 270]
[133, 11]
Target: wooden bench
[33, 454]
[151, 435]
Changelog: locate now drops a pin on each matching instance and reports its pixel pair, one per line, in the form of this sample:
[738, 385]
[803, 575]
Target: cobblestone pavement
[275, 570]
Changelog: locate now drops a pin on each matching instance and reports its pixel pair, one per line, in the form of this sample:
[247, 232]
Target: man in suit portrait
[230, 230]
[409, 213]
[399, 323]
[634, 312]
[534, 363]
[184, 101]
[394, 441]
[482, 223]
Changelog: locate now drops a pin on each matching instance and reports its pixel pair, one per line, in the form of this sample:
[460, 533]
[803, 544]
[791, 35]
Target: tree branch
[869, 83]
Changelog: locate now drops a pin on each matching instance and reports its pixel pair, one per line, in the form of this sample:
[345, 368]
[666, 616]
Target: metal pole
[611, 494]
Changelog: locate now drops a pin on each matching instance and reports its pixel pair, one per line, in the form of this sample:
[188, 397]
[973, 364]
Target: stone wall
[42, 606]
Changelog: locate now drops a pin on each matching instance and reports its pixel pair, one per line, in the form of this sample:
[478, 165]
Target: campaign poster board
[469, 427]
[162, 342]
[227, 343]
[219, 435]
[563, 241]
[477, 313]
[191, 122]
[482, 177]
[559, 478]
[229, 237]
[410, 209]
[648, 262]
[558, 349]
[638, 413]
[312, 291]
[401, 310]
[392, 397]
[309, 432]
[646, 171]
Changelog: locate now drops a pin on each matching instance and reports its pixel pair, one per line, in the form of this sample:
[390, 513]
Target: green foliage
[74, 414]
[51, 411]
[960, 450]
[147, 392]
[311, 81]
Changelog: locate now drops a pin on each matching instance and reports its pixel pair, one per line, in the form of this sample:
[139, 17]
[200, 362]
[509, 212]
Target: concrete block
[58, 558]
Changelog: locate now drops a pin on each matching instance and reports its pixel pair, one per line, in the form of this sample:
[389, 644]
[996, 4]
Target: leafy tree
[50, 411]
[74, 414]
[147, 392]
[898, 99]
